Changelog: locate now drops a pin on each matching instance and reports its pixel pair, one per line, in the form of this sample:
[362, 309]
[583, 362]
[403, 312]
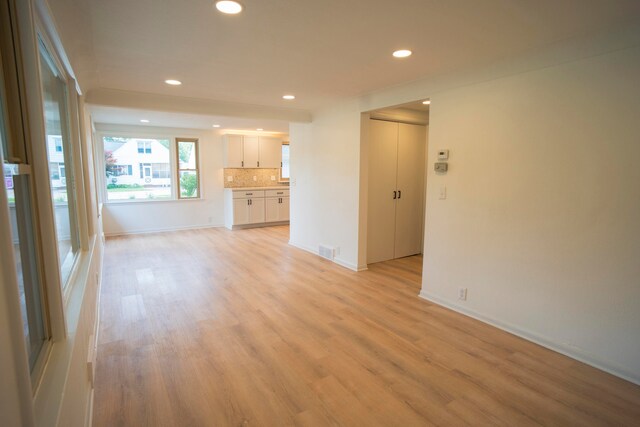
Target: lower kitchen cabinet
[255, 208]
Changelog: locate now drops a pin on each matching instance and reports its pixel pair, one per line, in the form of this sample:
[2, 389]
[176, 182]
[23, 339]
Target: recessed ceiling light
[403, 53]
[216, 126]
[259, 129]
[427, 102]
[289, 97]
[229, 7]
[144, 121]
[173, 82]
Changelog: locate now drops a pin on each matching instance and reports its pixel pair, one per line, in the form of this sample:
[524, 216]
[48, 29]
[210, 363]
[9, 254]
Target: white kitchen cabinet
[250, 151]
[254, 208]
[233, 151]
[276, 209]
[396, 190]
[270, 152]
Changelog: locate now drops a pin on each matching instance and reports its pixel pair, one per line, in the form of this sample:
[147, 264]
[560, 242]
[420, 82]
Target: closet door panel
[381, 214]
[410, 184]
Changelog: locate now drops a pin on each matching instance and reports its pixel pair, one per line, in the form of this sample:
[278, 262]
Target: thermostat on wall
[441, 167]
[443, 154]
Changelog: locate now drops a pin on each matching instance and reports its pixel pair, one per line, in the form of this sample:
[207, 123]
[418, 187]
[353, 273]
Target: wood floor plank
[220, 328]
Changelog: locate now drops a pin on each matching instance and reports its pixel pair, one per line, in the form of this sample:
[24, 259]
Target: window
[25, 257]
[188, 175]
[284, 171]
[144, 147]
[54, 94]
[137, 168]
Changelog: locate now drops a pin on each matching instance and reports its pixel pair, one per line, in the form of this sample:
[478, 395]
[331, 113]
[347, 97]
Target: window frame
[128, 131]
[281, 178]
[196, 142]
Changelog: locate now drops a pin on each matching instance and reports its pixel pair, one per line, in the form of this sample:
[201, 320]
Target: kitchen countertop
[272, 187]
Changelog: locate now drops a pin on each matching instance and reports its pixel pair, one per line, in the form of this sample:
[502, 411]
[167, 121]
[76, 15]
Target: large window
[137, 168]
[25, 257]
[188, 168]
[59, 152]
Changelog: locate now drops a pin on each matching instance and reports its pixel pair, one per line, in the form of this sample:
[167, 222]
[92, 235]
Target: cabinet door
[410, 203]
[270, 152]
[256, 211]
[233, 155]
[240, 211]
[383, 152]
[272, 209]
[251, 151]
[283, 209]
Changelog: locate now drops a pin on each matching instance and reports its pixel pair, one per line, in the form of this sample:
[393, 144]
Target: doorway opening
[395, 152]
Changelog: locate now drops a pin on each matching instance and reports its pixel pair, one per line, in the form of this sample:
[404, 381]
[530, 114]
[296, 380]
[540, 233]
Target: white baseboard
[338, 261]
[161, 230]
[570, 351]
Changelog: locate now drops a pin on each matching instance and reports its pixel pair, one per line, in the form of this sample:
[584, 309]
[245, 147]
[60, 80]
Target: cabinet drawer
[247, 194]
[277, 193]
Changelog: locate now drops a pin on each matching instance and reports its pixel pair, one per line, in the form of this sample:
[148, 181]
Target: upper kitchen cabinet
[233, 151]
[248, 151]
[270, 152]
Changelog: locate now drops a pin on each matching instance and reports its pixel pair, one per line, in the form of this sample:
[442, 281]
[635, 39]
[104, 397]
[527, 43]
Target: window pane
[137, 168]
[189, 184]
[187, 155]
[54, 91]
[285, 161]
[33, 324]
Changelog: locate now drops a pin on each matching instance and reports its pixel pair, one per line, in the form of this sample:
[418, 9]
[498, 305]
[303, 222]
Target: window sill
[135, 202]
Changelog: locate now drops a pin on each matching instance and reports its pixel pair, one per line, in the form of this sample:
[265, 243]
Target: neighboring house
[143, 162]
[56, 161]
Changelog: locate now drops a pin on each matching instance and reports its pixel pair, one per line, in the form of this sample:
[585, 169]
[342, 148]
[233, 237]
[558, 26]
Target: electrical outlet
[273, 177]
[462, 294]
[230, 178]
[255, 178]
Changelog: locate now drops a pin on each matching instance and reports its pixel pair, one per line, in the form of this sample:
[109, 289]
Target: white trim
[567, 350]
[162, 230]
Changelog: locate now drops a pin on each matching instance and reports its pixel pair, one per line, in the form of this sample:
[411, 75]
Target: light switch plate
[230, 178]
[443, 154]
[441, 167]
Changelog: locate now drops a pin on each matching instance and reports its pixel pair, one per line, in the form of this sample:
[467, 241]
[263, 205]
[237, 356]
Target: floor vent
[327, 252]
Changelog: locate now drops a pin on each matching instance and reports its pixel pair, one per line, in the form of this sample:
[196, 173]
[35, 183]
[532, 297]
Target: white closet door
[251, 151]
[381, 214]
[410, 184]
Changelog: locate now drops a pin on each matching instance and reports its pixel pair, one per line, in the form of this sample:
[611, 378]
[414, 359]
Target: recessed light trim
[216, 126]
[426, 102]
[144, 121]
[173, 82]
[402, 53]
[229, 7]
[259, 129]
[288, 97]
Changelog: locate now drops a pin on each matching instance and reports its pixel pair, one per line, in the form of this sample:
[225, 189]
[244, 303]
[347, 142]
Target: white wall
[149, 216]
[325, 171]
[542, 223]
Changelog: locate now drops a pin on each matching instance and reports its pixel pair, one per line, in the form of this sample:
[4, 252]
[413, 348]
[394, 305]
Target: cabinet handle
[247, 202]
[258, 164]
[399, 194]
[395, 195]
[242, 163]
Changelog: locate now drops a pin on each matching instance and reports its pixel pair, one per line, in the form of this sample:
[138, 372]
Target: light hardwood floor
[220, 328]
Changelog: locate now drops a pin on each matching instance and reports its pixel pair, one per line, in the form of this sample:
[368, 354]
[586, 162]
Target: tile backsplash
[245, 177]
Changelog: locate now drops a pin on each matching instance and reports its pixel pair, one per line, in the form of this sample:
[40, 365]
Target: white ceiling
[128, 116]
[320, 51]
